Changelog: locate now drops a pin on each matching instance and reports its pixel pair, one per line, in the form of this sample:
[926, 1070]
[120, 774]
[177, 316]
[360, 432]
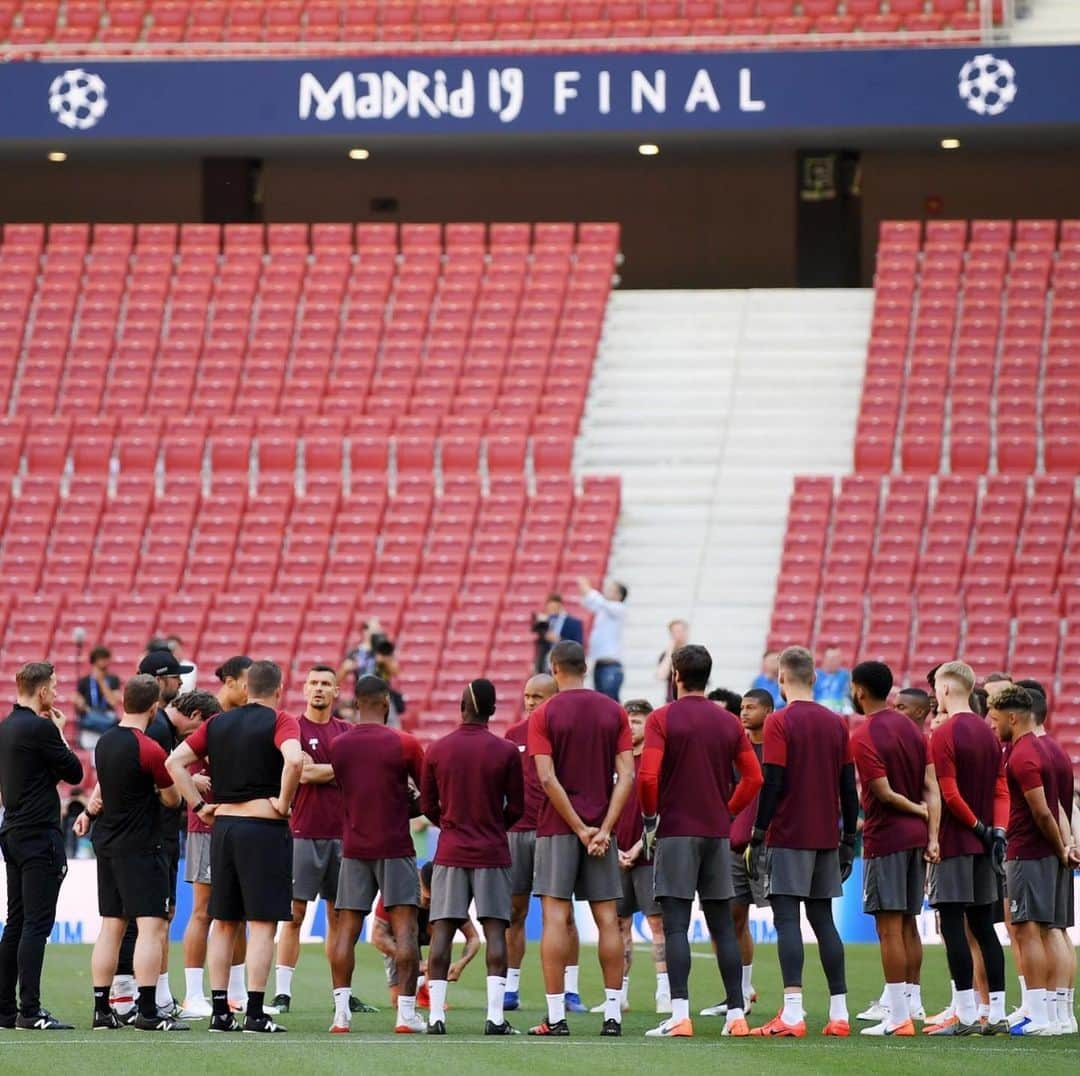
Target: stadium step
[706, 460]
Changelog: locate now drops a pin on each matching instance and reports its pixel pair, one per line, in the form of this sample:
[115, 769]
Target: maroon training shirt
[1028, 766]
[474, 790]
[966, 751]
[318, 810]
[534, 792]
[582, 731]
[692, 748]
[811, 743]
[629, 827]
[889, 745]
[194, 823]
[742, 825]
[372, 766]
[1062, 769]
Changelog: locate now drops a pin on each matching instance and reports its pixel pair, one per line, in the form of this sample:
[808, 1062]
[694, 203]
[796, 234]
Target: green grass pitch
[372, 1047]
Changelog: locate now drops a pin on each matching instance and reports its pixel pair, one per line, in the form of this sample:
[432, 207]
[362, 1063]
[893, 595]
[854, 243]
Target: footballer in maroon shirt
[473, 788]
[902, 815]
[637, 872]
[809, 791]
[133, 882]
[1035, 848]
[538, 689]
[316, 826]
[963, 884]
[693, 748]
[577, 740]
[375, 768]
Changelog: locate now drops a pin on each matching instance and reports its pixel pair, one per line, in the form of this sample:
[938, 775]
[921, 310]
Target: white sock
[952, 993]
[496, 991]
[1040, 1016]
[406, 1008]
[883, 1001]
[663, 983]
[984, 1011]
[747, 982]
[1062, 1006]
[284, 980]
[437, 996]
[838, 1007]
[997, 1006]
[163, 995]
[193, 984]
[237, 990]
[556, 1007]
[513, 979]
[793, 1010]
[965, 1006]
[1070, 996]
[735, 1014]
[914, 995]
[1023, 992]
[570, 979]
[899, 1012]
[680, 1009]
[341, 1005]
[612, 1004]
[624, 991]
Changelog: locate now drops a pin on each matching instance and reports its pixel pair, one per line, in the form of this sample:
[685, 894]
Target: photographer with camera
[554, 624]
[374, 656]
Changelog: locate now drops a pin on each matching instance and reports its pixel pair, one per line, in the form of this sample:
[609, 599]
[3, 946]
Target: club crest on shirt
[314, 744]
[521, 748]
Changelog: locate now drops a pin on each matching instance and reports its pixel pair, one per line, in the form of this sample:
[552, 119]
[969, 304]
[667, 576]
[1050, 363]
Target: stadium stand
[957, 532]
[161, 26]
[256, 438]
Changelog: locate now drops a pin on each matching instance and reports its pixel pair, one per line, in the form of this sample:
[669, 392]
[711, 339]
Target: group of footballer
[631, 810]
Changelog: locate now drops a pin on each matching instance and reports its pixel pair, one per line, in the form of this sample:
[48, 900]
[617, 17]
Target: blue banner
[981, 86]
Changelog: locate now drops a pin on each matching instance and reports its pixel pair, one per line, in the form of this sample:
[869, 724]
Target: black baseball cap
[162, 663]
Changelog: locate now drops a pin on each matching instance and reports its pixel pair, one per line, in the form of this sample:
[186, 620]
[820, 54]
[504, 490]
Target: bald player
[538, 689]
[916, 704]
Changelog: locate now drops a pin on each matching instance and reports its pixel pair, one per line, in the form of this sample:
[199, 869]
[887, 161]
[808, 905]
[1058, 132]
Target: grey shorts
[962, 880]
[808, 873]
[315, 868]
[637, 892]
[1031, 889]
[894, 883]
[522, 861]
[747, 890]
[564, 869]
[1064, 904]
[453, 889]
[197, 858]
[689, 865]
[362, 880]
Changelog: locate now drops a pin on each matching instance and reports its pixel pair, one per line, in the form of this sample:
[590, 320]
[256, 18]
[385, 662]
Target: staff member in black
[33, 758]
[255, 766]
[133, 875]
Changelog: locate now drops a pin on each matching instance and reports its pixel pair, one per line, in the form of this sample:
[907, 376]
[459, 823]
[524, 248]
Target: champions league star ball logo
[77, 99]
[987, 84]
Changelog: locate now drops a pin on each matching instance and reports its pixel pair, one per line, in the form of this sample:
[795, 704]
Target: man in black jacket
[33, 758]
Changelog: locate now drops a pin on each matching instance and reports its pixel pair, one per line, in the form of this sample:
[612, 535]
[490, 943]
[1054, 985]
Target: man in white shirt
[605, 638]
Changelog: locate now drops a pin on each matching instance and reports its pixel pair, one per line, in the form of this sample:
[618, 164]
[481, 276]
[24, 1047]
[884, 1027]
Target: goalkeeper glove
[997, 851]
[847, 856]
[754, 856]
[648, 837]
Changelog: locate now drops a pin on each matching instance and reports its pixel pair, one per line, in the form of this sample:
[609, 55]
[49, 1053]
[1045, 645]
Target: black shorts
[134, 886]
[251, 868]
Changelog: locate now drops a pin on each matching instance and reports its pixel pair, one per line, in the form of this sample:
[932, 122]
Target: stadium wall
[711, 217]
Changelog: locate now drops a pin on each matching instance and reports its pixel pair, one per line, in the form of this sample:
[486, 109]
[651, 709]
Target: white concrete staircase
[706, 403]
